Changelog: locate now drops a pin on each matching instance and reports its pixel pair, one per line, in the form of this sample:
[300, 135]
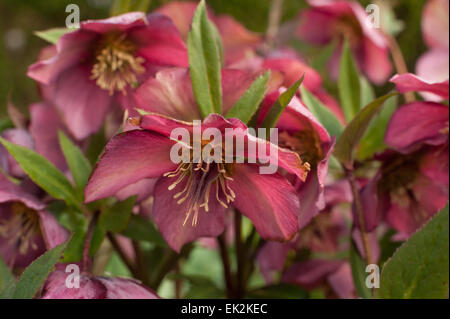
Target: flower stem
[399, 62]
[86, 262]
[240, 255]
[226, 265]
[360, 216]
[274, 21]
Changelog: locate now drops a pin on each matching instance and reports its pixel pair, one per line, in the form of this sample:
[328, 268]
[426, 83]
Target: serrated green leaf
[322, 113]
[43, 173]
[249, 102]
[419, 268]
[6, 277]
[355, 130]
[348, 84]
[359, 273]
[35, 274]
[52, 35]
[277, 109]
[205, 63]
[78, 164]
[115, 218]
[140, 228]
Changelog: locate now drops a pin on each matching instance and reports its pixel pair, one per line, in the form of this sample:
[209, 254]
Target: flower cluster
[90, 176]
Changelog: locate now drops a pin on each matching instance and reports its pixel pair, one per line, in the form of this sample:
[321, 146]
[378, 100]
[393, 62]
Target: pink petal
[121, 288]
[309, 29]
[143, 189]
[169, 93]
[435, 25]
[72, 48]
[16, 136]
[55, 288]
[54, 234]
[430, 195]
[170, 216]
[271, 259]
[181, 14]
[411, 83]
[416, 123]
[311, 273]
[375, 62]
[121, 23]
[293, 70]
[10, 192]
[434, 165]
[433, 68]
[342, 282]
[83, 105]
[269, 201]
[128, 158]
[159, 42]
[44, 127]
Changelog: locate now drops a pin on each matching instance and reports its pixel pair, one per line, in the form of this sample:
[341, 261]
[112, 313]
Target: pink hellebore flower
[328, 20]
[238, 42]
[433, 65]
[98, 65]
[200, 192]
[300, 132]
[95, 288]
[413, 181]
[26, 228]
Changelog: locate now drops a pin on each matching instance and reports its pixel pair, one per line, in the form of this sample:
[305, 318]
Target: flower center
[304, 143]
[21, 227]
[201, 179]
[400, 173]
[116, 65]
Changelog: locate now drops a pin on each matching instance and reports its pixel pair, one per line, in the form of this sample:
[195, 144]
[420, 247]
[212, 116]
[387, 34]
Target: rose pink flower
[412, 184]
[97, 66]
[301, 132]
[95, 288]
[328, 20]
[408, 82]
[198, 194]
[433, 65]
[321, 235]
[238, 42]
[27, 230]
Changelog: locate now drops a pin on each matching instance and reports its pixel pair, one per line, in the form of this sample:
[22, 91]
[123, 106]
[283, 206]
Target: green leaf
[140, 228]
[373, 140]
[322, 113]
[5, 123]
[43, 173]
[34, 276]
[78, 164]
[419, 268]
[359, 273]
[355, 130]
[205, 63]
[348, 84]
[115, 218]
[277, 109]
[200, 287]
[52, 35]
[6, 277]
[249, 102]
[278, 291]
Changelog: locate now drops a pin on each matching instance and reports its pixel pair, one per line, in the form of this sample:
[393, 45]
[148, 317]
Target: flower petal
[417, 123]
[411, 83]
[170, 216]
[128, 158]
[268, 200]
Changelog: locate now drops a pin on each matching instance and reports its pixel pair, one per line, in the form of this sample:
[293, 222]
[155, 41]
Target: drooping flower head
[412, 184]
[27, 230]
[91, 287]
[99, 64]
[433, 65]
[329, 20]
[191, 196]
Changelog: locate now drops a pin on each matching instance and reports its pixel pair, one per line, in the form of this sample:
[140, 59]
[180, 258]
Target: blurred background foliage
[19, 47]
